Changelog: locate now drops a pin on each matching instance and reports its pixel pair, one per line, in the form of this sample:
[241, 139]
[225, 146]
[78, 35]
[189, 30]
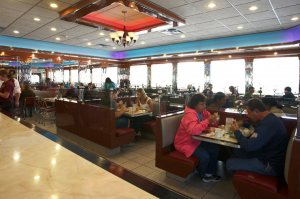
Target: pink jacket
[190, 125]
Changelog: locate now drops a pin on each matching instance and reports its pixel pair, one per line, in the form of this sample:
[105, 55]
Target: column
[207, 80]
[299, 75]
[248, 73]
[119, 77]
[174, 78]
[149, 77]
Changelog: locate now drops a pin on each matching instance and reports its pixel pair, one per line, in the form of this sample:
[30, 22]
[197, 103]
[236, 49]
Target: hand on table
[234, 127]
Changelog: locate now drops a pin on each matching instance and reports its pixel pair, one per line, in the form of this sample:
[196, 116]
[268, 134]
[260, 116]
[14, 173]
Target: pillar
[248, 73]
[149, 76]
[207, 79]
[174, 77]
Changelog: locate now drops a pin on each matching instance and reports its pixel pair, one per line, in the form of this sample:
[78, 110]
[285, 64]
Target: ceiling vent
[171, 31]
[102, 45]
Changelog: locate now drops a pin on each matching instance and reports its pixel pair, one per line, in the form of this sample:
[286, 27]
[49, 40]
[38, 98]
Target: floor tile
[143, 170]
[224, 190]
[150, 154]
[210, 195]
[118, 159]
[174, 184]
[143, 151]
[130, 155]
[142, 159]
[193, 191]
[236, 196]
[130, 165]
[157, 176]
[198, 182]
[151, 165]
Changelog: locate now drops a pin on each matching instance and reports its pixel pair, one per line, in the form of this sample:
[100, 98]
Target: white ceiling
[202, 22]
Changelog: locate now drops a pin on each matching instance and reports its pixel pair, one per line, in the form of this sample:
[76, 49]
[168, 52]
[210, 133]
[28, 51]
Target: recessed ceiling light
[142, 42]
[219, 52]
[212, 5]
[114, 47]
[101, 33]
[36, 19]
[166, 60]
[52, 52]
[253, 8]
[106, 39]
[89, 43]
[212, 50]
[270, 48]
[15, 31]
[53, 29]
[165, 55]
[195, 58]
[229, 56]
[53, 5]
[182, 36]
[57, 38]
[294, 18]
[275, 53]
[240, 27]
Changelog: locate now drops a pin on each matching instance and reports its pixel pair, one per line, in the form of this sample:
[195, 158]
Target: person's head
[210, 86]
[231, 89]
[251, 89]
[269, 102]
[4, 76]
[141, 94]
[71, 85]
[67, 82]
[44, 84]
[21, 85]
[115, 94]
[61, 86]
[255, 108]
[26, 87]
[219, 97]
[197, 102]
[108, 80]
[287, 90]
[47, 80]
[3, 68]
[90, 85]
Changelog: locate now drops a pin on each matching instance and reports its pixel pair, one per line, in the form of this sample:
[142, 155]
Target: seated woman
[272, 105]
[145, 103]
[27, 92]
[6, 90]
[109, 84]
[194, 122]
[218, 102]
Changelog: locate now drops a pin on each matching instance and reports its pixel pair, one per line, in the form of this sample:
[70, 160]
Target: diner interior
[84, 131]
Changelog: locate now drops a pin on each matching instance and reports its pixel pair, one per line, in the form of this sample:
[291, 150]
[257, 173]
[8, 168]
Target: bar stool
[47, 111]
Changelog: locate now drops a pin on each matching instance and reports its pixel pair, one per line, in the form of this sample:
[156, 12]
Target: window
[35, 79]
[96, 78]
[74, 76]
[112, 73]
[85, 76]
[190, 73]
[276, 73]
[161, 74]
[228, 73]
[138, 75]
[58, 76]
[66, 76]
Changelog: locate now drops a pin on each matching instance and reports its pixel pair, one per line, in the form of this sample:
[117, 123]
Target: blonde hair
[143, 94]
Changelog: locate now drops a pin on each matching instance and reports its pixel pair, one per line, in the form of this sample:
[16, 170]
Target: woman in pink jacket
[194, 122]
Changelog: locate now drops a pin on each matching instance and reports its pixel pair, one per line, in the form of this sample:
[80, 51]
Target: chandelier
[124, 38]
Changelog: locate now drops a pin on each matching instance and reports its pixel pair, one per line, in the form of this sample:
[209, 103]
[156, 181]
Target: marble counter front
[33, 166]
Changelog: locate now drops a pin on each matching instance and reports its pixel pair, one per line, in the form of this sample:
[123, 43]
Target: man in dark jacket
[288, 93]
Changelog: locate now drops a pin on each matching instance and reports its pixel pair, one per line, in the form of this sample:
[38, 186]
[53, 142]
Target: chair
[47, 111]
[28, 102]
[38, 108]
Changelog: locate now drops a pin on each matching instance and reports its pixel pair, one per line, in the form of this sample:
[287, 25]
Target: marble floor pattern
[32, 166]
[140, 159]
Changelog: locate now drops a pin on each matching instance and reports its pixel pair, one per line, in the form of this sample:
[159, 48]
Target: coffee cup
[227, 128]
[218, 132]
[130, 109]
[134, 108]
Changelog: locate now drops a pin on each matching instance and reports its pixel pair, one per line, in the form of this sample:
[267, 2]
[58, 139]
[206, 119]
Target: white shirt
[17, 88]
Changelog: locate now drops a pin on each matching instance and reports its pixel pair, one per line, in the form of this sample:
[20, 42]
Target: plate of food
[210, 129]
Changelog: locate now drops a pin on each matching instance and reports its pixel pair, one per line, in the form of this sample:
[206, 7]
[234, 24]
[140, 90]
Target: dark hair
[269, 99]
[115, 91]
[8, 75]
[231, 88]
[90, 84]
[251, 87]
[256, 104]
[108, 80]
[219, 96]
[288, 89]
[47, 79]
[209, 85]
[195, 99]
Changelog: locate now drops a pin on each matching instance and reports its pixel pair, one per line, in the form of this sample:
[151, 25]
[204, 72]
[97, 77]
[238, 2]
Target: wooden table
[211, 137]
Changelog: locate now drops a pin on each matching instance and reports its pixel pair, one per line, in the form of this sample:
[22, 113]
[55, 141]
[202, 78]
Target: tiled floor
[140, 159]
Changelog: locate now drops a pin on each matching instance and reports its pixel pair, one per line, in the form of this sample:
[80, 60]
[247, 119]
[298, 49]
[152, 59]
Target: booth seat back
[288, 156]
[44, 94]
[170, 126]
[289, 109]
[155, 108]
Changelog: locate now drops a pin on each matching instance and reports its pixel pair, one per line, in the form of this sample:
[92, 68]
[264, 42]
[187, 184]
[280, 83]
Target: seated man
[90, 86]
[264, 152]
[44, 87]
[288, 93]
[249, 93]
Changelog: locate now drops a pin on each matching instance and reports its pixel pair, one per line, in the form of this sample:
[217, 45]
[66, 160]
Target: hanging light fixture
[124, 38]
